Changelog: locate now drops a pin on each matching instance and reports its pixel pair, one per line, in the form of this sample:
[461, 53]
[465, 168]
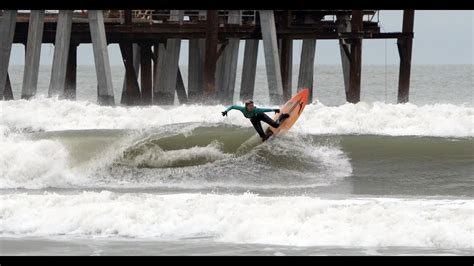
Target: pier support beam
[249, 70]
[169, 74]
[404, 49]
[101, 57]
[286, 62]
[132, 95]
[351, 54]
[33, 52]
[8, 93]
[227, 63]
[180, 89]
[195, 70]
[272, 62]
[71, 73]
[136, 68]
[61, 50]
[210, 57]
[7, 30]
[146, 56]
[306, 73]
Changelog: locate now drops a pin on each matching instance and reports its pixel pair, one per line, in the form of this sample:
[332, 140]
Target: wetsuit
[255, 116]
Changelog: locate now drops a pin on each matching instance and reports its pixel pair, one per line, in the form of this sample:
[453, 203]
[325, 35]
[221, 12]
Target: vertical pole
[7, 30]
[61, 50]
[249, 70]
[8, 95]
[101, 57]
[306, 74]
[195, 70]
[405, 49]
[356, 58]
[145, 73]
[133, 89]
[272, 62]
[344, 25]
[71, 73]
[180, 89]
[136, 68]
[228, 66]
[33, 51]
[169, 75]
[160, 64]
[286, 56]
[210, 56]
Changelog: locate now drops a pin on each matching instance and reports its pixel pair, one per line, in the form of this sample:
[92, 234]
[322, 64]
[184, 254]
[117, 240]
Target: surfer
[256, 115]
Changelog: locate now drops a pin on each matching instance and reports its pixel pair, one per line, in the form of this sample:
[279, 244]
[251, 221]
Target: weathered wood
[7, 30]
[286, 56]
[344, 25]
[195, 70]
[8, 95]
[356, 58]
[405, 50]
[180, 89]
[61, 51]
[71, 73]
[249, 70]
[33, 53]
[146, 73]
[133, 89]
[169, 75]
[160, 64]
[210, 57]
[101, 57]
[227, 67]
[272, 61]
[136, 68]
[306, 73]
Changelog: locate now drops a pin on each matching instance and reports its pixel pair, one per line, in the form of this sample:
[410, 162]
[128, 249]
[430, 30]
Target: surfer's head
[249, 105]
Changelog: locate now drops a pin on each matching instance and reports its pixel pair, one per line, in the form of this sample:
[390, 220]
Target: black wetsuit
[255, 116]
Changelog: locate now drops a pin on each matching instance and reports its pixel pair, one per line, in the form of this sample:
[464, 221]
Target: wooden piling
[146, 73]
[7, 30]
[249, 70]
[227, 67]
[210, 57]
[133, 89]
[71, 73]
[195, 70]
[33, 53]
[8, 94]
[180, 89]
[405, 50]
[61, 50]
[136, 68]
[306, 72]
[169, 75]
[272, 61]
[351, 55]
[286, 62]
[101, 57]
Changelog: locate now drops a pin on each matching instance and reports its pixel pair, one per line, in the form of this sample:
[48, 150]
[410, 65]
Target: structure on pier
[150, 42]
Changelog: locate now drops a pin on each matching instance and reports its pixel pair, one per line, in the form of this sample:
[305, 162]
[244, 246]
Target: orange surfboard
[294, 107]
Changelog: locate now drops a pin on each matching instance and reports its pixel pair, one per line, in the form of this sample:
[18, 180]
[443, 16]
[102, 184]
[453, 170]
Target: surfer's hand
[276, 111]
[224, 113]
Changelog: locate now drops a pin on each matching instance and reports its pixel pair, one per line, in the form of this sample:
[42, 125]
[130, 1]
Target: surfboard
[294, 107]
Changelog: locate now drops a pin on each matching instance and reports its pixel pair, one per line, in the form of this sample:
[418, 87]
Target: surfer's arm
[236, 107]
[264, 110]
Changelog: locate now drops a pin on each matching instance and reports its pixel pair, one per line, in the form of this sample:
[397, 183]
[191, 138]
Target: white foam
[154, 156]
[33, 164]
[247, 218]
[445, 120]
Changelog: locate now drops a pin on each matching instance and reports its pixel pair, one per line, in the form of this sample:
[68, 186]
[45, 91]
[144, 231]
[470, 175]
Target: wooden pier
[150, 43]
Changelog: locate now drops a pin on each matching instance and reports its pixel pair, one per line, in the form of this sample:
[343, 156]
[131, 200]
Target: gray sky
[441, 37]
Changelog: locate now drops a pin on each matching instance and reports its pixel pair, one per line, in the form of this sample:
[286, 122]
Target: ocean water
[373, 178]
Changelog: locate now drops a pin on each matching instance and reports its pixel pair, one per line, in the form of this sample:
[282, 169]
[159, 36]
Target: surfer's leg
[258, 127]
[265, 118]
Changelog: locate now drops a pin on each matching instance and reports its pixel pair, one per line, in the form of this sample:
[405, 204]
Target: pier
[150, 43]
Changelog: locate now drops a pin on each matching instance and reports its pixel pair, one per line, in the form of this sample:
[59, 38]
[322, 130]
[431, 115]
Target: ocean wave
[245, 218]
